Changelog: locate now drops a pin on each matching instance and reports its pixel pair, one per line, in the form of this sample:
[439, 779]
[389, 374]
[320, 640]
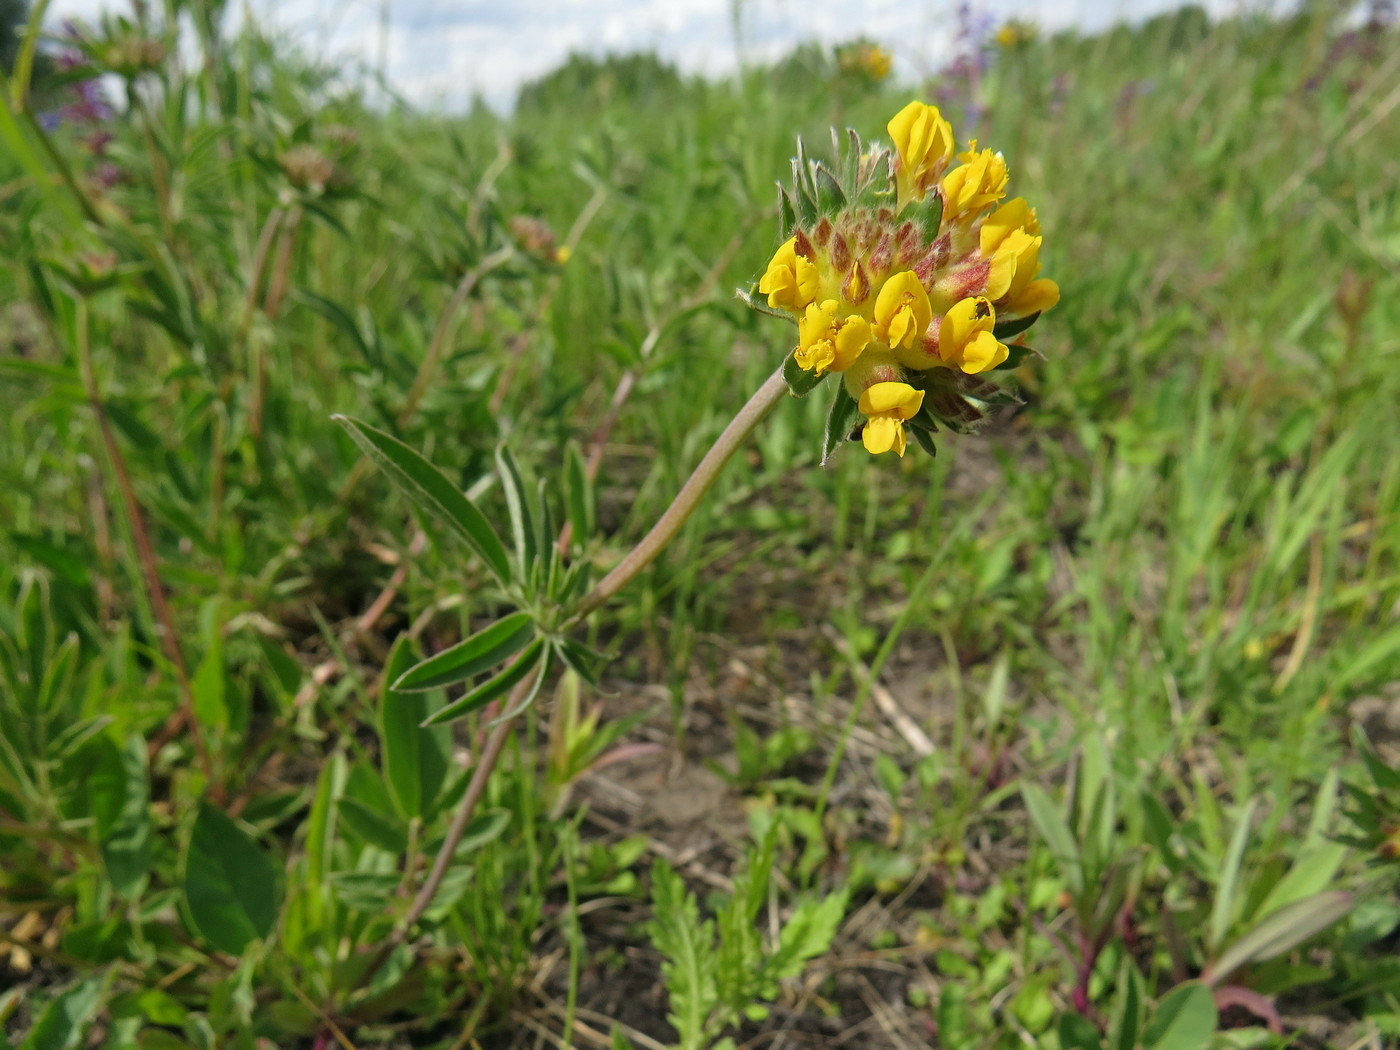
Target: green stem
[689, 497]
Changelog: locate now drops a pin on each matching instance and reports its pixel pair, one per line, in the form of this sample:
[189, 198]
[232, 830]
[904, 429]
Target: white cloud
[441, 52]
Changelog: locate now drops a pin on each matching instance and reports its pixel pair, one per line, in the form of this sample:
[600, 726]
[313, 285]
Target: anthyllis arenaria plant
[910, 275]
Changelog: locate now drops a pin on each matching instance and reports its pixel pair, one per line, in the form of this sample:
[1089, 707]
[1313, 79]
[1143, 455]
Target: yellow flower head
[902, 311]
[978, 181]
[791, 280]
[965, 338]
[924, 142]
[827, 343]
[897, 272]
[886, 407]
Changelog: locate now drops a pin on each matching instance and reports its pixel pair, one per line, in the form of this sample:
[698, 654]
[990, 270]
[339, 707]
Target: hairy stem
[690, 495]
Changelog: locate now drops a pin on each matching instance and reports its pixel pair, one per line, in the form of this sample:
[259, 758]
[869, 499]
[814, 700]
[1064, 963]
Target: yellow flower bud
[924, 142]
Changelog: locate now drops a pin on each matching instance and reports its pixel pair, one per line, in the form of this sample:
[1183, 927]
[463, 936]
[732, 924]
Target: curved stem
[666, 527]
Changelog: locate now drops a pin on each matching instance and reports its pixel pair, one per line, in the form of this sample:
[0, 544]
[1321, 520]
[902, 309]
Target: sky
[439, 53]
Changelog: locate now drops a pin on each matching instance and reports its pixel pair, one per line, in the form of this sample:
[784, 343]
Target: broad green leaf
[430, 489]
[414, 758]
[494, 687]
[800, 382]
[1053, 829]
[230, 885]
[1184, 1020]
[126, 847]
[1286, 928]
[480, 652]
[65, 1021]
[839, 421]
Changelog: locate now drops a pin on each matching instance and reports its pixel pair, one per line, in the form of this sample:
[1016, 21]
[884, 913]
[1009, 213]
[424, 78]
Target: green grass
[1136, 625]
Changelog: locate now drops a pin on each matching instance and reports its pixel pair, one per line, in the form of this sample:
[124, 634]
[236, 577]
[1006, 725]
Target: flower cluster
[863, 61]
[905, 275]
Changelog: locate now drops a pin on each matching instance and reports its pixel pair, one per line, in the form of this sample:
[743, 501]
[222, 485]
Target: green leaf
[430, 489]
[800, 382]
[528, 662]
[522, 522]
[688, 945]
[1015, 355]
[481, 651]
[126, 847]
[578, 494]
[932, 218]
[493, 687]
[65, 1021]
[579, 658]
[230, 885]
[1126, 1016]
[414, 758]
[375, 827]
[1185, 1019]
[1223, 911]
[1286, 928]
[830, 197]
[368, 891]
[839, 422]
[1054, 830]
[339, 317]
[1077, 1032]
[1014, 327]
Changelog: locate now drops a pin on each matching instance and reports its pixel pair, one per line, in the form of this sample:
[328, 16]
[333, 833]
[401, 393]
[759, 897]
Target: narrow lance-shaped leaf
[430, 489]
[480, 652]
[522, 521]
[494, 687]
[1286, 928]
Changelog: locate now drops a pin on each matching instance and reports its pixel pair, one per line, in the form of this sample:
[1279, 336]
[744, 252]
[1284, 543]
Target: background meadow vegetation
[1080, 735]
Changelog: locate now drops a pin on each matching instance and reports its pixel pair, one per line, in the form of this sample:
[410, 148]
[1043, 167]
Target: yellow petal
[882, 434]
[983, 352]
[902, 310]
[896, 400]
[1038, 296]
